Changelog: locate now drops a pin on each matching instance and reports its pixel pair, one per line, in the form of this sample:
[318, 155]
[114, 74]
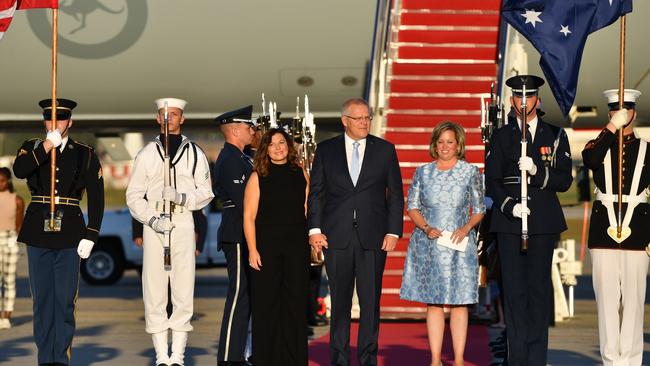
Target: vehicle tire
[105, 266]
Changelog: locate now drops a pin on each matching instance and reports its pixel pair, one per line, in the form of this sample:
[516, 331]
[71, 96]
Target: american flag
[9, 7]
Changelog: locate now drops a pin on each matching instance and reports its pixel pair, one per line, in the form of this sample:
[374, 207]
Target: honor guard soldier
[146, 195]
[527, 274]
[55, 243]
[231, 172]
[620, 263]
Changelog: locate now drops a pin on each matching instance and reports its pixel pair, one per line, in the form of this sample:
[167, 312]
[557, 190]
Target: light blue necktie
[354, 166]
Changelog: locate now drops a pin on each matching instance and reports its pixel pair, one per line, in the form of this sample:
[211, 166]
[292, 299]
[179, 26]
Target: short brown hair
[443, 126]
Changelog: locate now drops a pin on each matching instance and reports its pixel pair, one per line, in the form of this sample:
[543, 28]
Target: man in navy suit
[356, 204]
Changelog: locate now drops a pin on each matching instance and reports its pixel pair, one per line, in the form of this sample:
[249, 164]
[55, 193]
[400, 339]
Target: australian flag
[559, 29]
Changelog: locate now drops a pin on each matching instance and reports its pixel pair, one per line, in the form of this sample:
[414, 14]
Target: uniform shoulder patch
[22, 152]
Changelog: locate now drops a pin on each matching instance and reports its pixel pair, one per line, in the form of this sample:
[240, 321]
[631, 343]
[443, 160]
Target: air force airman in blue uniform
[527, 275]
[231, 172]
[53, 252]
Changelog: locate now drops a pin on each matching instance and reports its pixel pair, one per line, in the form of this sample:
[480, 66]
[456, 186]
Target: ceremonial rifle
[524, 176]
[167, 205]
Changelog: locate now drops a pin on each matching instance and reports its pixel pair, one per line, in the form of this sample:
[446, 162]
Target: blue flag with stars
[559, 29]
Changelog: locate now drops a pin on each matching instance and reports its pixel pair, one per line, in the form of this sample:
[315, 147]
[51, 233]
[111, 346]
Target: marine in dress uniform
[620, 264]
[527, 275]
[231, 172]
[53, 254]
[190, 190]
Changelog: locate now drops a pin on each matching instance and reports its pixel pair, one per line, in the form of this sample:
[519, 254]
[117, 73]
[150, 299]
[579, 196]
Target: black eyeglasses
[361, 118]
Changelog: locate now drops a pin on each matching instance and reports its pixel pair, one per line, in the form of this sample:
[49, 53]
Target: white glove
[54, 137]
[162, 224]
[519, 209]
[619, 119]
[170, 194]
[84, 248]
[526, 163]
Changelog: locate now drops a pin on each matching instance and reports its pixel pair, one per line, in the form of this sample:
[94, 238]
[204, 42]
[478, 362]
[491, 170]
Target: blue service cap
[64, 108]
[241, 115]
[531, 82]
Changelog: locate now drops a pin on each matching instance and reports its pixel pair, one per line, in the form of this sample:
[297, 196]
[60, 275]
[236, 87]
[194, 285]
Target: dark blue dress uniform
[52, 256]
[231, 172]
[527, 276]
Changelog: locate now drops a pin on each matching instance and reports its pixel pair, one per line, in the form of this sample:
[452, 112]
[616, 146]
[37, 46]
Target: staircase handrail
[376, 76]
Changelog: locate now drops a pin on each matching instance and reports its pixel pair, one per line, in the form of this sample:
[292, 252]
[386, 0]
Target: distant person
[620, 264]
[356, 204]
[55, 246]
[12, 209]
[190, 190]
[446, 197]
[275, 205]
[526, 275]
[231, 172]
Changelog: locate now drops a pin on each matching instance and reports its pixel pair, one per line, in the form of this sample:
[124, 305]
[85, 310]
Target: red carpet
[406, 344]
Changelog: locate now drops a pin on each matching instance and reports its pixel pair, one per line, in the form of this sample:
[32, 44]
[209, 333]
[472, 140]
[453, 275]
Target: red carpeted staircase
[441, 60]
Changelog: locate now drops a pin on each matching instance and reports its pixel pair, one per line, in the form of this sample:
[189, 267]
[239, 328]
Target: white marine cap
[629, 96]
[171, 103]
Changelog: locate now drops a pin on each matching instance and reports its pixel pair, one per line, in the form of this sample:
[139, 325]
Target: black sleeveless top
[282, 196]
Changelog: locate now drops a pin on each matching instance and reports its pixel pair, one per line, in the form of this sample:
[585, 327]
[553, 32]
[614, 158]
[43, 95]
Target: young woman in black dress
[276, 233]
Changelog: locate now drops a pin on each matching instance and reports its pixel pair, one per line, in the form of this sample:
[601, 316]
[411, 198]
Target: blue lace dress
[434, 274]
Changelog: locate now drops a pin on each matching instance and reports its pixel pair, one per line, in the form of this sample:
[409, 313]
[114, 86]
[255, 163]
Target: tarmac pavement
[110, 325]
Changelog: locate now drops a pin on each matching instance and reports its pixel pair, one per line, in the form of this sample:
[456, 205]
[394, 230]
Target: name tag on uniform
[445, 241]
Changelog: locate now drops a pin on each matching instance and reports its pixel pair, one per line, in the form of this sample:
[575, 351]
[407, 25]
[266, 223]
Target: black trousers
[343, 267]
[527, 296]
[236, 313]
[54, 283]
[279, 306]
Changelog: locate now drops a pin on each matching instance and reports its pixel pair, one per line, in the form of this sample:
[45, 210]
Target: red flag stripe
[6, 4]
[32, 4]
[4, 24]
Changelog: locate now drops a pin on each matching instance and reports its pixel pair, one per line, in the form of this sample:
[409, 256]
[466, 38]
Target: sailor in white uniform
[190, 190]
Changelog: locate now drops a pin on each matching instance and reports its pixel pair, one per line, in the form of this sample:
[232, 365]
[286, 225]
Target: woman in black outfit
[276, 232]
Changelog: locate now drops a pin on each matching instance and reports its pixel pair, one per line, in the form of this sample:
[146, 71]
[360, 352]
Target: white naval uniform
[147, 180]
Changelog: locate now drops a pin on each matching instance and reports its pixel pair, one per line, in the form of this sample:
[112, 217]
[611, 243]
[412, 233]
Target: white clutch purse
[445, 241]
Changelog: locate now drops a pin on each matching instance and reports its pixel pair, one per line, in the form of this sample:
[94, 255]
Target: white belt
[178, 209]
[604, 197]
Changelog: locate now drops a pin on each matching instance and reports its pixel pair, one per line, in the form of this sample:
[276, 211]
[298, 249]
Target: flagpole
[621, 90]
[55, 31]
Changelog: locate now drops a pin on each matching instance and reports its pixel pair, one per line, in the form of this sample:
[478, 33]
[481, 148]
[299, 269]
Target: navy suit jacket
[378, 197]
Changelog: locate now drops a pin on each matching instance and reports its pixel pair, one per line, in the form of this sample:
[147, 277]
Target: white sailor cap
[171, 103]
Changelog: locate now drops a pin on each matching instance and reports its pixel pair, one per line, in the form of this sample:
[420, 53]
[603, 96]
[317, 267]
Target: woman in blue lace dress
[446, 196]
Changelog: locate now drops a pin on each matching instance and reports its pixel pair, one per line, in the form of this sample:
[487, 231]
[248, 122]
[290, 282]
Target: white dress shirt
[532, 127]
[349, 149]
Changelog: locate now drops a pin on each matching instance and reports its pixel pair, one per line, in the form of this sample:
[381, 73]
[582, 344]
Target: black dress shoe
[318, 321]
